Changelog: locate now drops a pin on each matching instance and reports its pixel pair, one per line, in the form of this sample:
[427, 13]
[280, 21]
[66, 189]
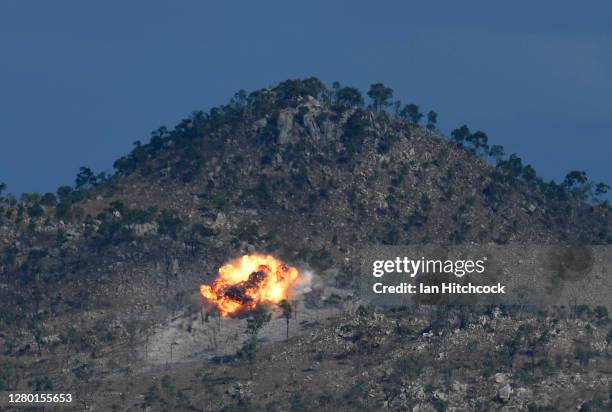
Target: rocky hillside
[403, 360]
[305, 172]
[298, 170]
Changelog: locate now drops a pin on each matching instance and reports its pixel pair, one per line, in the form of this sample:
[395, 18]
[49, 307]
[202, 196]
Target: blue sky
[80, 81]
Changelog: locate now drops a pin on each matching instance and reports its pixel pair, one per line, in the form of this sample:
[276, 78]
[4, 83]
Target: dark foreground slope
[309, 175]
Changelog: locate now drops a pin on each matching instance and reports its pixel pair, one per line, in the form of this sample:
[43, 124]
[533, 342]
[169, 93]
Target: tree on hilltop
[575, 178]
[349, 97]
[460, 135]
[497, 152]
[85, 178]
[432, 120]
[411, 113]
[479, 141]
[380, 95]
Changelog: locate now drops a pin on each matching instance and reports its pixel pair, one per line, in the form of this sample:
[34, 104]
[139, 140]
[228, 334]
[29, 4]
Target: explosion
[248, 281]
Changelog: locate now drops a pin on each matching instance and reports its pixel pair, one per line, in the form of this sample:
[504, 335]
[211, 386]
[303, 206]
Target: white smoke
[304, 285]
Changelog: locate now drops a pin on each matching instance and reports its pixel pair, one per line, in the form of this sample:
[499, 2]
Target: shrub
[203, 231]
[410, 365]
[169, 223]
[249, 232]
[387, 141]
[261, 192]
[220, 201]
[582, 354]
[42, 383]
[597, 404]
[151, 395]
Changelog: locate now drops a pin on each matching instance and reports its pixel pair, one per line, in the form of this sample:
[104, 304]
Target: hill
[298, 170]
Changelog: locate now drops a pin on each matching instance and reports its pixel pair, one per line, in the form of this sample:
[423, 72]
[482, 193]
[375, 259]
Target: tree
[349, 97]
[577, 182]
[432, 120]
[380, 95]
[48, 199]
[85, 178]
[258, 317]
[513, 166]
[64, 192]
[528, 174]
[290, 91]
[313, 87]
[497, 152]
[335, 89]
[460, 134]
[397, 106]
[287, 309]
[478, 140]
[63, 210]
[248, 352]
[601, 189]
[411, 113]
[2, 187]
[240, 99]
[103, 177]
[575, 177]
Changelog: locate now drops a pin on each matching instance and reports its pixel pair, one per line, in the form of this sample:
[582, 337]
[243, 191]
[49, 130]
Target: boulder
[500, 378]
[285, 126]
[504, 393]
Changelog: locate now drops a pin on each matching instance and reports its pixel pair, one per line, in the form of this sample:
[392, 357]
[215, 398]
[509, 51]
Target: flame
[250, 280]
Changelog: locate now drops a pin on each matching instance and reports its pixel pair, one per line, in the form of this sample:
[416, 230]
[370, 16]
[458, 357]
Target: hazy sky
[80, 81]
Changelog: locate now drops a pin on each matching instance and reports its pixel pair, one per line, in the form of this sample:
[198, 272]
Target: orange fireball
[248, 281]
